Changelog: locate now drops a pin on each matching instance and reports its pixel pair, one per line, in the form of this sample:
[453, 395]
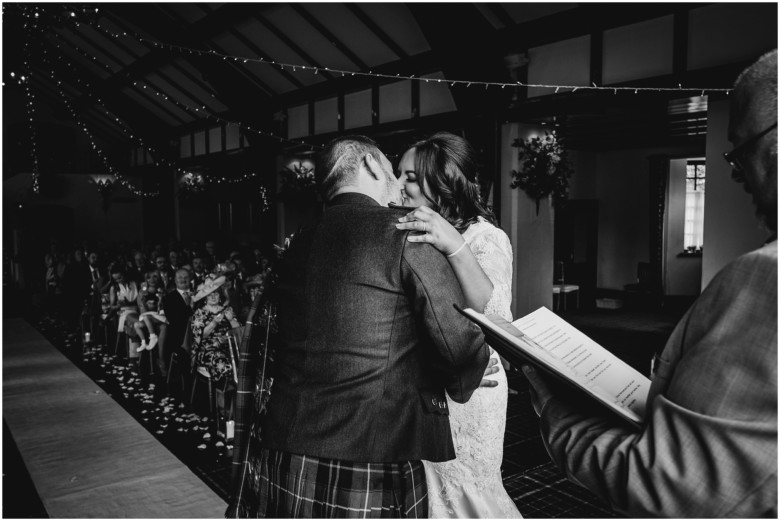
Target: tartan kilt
[291, 485]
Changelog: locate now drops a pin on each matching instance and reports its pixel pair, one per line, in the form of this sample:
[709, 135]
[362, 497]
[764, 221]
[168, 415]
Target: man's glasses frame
[732, 158]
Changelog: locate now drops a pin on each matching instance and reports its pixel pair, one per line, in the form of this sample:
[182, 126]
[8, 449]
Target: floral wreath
[545, 169]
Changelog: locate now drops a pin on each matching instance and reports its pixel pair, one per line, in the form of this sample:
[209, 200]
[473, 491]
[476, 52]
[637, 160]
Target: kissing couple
[386, 402]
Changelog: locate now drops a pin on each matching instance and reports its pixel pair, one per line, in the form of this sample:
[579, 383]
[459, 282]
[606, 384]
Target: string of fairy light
[203, 112]
[30, 107]
[210, 179]
[295, 67]
[159, 159]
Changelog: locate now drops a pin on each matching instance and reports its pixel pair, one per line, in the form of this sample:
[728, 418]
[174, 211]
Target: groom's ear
[373, 166]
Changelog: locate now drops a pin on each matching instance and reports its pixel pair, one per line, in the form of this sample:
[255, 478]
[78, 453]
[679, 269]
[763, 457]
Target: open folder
[548, 342]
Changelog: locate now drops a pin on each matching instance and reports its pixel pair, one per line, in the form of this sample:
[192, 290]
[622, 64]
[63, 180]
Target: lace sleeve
[493, 251]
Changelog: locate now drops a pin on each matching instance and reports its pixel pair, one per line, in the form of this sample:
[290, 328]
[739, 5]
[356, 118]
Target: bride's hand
[490, 369]
[434, 229]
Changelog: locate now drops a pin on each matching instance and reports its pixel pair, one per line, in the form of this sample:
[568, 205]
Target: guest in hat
[210, 324]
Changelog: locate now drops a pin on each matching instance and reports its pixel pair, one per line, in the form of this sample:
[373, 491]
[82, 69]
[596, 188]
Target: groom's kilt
[291, 485]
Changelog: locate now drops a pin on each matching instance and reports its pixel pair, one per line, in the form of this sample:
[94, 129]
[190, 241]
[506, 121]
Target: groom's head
[355, 164]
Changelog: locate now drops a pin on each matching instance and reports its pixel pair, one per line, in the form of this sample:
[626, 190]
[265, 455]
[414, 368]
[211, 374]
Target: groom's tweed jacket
[369, 342]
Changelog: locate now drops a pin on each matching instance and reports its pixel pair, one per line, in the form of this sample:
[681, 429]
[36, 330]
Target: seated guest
[233, 287]
[74, 288]
[210, 257]
[177, 305]
[174, 261]
[55, 270]
[166, 277]
[708, 448]
[137, 271]
[210, 324]
[198, 271]
[238, 260]
[259, 262]
[93, 281]
[123, 301]
[151, 320]
[252, 287]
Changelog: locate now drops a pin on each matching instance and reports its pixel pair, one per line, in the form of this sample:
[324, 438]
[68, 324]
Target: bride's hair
[446, 169]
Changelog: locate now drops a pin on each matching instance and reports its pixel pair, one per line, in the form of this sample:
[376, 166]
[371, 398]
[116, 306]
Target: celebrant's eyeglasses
[733, 157]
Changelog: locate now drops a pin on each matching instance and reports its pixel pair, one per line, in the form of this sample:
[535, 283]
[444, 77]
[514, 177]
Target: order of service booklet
[546, 340]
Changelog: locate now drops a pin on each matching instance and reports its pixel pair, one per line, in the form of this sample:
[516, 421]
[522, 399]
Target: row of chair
[178, 367]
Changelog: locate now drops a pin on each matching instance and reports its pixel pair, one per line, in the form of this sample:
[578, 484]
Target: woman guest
[210, 324]
[123, 300]
[439, 176]
[151, 320]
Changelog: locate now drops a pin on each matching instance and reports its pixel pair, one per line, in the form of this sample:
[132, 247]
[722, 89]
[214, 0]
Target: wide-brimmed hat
[255, 281]
[209, 286]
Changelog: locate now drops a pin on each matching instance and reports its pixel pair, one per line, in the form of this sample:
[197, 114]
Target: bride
[439, 176]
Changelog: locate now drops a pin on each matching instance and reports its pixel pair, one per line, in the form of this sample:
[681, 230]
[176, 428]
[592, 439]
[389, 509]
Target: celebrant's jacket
[709, 447]
[369, 342]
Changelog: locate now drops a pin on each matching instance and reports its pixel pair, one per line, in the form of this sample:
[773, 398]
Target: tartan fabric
[292, 485]
[251, 352]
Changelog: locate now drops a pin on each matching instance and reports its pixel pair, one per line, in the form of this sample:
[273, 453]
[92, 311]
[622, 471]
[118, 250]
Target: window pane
[694, 206]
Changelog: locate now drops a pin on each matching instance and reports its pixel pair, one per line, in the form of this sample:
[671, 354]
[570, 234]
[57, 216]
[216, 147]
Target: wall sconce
[105, 187]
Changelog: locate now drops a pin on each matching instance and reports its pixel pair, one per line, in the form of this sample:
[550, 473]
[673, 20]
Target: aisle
[86, 455]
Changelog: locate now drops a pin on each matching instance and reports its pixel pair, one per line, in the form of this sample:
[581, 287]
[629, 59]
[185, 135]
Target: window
[695, 178]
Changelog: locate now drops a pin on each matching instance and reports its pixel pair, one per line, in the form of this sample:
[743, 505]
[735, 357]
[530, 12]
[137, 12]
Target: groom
[370, 340]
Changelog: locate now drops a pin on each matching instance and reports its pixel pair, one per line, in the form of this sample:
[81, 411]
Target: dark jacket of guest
[369, 342]
[178, 314]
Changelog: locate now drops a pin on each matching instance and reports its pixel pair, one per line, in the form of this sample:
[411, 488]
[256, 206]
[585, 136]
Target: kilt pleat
[292, 485]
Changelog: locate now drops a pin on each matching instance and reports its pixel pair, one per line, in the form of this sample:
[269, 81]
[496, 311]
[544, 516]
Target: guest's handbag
[254, 388]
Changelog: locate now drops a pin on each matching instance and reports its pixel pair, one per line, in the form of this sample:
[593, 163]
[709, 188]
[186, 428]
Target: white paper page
[589, 364]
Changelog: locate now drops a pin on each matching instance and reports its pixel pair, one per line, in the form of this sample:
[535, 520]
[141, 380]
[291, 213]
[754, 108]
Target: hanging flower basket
[298, 182]
[544, 169]
[191, 184]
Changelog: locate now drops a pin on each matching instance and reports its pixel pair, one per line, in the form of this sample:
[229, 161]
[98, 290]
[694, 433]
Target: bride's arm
[476, 286]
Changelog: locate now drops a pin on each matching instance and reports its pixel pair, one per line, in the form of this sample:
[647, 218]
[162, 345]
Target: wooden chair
[179, 361]
[202, 375]
[227, 393]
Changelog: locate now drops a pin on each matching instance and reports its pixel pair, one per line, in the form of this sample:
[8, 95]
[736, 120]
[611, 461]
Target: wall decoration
[544, 169]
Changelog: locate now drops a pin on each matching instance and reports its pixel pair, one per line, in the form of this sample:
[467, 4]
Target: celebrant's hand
[434, 229]
[541, 392]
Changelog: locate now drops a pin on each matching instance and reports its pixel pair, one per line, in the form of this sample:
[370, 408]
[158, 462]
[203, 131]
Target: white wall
[730, 225]
[531, 235]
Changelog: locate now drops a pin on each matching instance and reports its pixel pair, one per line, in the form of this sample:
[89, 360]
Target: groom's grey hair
[338, 164]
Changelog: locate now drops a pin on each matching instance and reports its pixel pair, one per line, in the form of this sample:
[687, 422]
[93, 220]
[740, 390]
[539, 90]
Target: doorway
[683, 227]
[576, 250]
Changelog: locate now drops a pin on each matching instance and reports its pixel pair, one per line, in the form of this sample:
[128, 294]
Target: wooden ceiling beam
[381, 34]
[291, 44]
[344, 49]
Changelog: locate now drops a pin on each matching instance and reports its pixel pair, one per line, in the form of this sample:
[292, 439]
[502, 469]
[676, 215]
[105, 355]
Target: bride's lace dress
[470, 486]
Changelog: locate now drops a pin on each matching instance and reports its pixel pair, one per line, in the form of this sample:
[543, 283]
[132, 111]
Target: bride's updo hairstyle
[446, 169]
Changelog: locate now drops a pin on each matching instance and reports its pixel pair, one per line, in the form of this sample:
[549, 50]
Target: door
[576, 248]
